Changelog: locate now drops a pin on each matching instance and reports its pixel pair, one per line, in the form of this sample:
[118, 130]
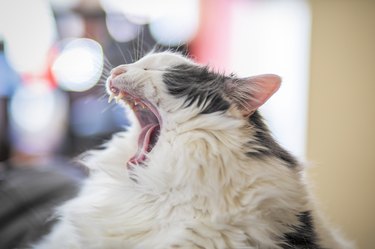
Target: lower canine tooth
[117, 98]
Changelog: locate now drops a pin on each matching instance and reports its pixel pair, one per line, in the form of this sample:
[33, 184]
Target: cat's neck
[205, 163]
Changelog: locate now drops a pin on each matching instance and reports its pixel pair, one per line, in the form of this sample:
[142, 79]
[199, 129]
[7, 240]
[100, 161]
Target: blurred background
[56, 54]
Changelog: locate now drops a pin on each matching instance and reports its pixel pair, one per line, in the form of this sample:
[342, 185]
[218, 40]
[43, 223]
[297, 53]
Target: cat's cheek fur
[151, 87]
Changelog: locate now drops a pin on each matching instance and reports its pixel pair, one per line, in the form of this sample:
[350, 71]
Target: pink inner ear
[262, 87]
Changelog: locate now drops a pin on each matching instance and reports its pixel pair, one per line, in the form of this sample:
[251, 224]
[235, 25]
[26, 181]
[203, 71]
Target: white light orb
[178, 25]
[79, 66]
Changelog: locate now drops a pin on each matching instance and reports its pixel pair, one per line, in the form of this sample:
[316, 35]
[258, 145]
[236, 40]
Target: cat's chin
[149, 120]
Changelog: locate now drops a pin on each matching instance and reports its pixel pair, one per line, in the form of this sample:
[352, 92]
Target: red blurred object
[212, 43]
[47, 75]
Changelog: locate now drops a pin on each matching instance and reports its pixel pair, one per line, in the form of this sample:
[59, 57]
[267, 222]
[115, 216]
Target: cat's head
[168, 88]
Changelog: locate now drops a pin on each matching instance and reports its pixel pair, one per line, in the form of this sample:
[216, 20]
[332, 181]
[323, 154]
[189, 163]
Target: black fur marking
[269, 147]
[304, 236]
[198, 85]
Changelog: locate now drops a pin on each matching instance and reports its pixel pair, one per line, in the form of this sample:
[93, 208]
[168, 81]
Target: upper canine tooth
[111, 96]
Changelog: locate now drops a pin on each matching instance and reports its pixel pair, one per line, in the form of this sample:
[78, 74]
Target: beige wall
[341, 134]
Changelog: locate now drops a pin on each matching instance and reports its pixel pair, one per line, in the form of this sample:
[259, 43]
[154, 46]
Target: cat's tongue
[145, 143]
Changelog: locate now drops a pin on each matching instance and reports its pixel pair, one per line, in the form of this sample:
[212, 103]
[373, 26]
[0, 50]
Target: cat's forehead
[164, 59]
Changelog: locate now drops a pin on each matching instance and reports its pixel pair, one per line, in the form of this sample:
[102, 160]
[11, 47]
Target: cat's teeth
[119, 97]
[111, 96]
[132, 104]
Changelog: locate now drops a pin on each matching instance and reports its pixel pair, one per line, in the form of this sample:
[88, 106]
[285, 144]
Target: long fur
[213, 180]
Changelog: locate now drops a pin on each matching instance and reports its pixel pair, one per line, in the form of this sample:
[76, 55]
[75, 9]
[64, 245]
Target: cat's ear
[252, 92]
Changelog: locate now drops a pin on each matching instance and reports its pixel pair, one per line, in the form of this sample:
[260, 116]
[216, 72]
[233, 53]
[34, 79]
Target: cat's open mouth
[148, 118]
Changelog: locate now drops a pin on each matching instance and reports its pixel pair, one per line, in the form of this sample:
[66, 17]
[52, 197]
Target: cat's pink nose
[117, 71]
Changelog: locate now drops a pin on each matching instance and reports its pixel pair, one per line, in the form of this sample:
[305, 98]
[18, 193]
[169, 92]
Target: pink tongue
[143, 144]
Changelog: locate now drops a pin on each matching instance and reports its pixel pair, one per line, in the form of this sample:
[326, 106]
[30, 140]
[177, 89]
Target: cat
[197, 169]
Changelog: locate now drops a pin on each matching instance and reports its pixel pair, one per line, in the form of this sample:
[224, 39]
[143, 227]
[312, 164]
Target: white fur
[199, 190]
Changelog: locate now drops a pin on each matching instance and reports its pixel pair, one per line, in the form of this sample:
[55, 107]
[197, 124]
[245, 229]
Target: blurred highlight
[38, 116]
[28, 34]
[84, 54]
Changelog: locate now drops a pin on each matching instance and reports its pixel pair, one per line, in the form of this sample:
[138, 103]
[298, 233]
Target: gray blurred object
[28, 198]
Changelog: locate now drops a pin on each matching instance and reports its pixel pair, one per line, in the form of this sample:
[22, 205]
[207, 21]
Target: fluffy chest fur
[192, 207]
[203, 172]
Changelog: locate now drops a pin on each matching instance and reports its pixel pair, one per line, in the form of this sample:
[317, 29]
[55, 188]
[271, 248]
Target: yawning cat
[198, 169]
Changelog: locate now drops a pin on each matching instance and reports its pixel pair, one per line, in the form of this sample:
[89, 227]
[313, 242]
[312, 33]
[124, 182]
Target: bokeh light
[38, 116]
[120, 28]
[79, 66]
[140, 11]
[178, 25]
[25, 46]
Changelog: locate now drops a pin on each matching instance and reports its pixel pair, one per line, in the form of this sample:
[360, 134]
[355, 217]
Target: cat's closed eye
[151, 69]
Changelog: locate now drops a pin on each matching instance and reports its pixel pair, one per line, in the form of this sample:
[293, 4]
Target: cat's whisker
[107, 69]
[130, 56]
[106, 60]
[120, 50]
[139, 42]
